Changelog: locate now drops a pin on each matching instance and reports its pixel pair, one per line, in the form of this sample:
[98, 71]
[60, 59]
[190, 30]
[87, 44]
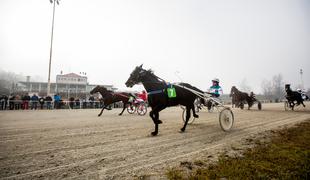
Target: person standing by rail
[11, 102]
[26, 100]
[57, 99]
[34, 101]
[48, 100]
[3, 102]
[41, 101]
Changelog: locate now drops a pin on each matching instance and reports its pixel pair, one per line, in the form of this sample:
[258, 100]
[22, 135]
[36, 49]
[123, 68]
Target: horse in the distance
[293, 96]
[110, 97]
[158, 97]
[239, 97]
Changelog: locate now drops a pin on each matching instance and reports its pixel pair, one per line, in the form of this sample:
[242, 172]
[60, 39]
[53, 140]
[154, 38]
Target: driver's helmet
[216, 80]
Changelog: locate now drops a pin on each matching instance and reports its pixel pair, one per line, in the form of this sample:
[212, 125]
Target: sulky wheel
[226, 119]
[142, 109]
[131, 109]
[191, 119]
[259, 105]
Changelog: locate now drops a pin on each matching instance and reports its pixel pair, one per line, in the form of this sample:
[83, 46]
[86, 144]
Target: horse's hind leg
[303, 103]
[194, 113]
[188, 115]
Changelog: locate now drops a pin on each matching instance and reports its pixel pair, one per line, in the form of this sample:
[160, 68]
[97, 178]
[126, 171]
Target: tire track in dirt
[87, 161]
[166, 157]
[96, 144]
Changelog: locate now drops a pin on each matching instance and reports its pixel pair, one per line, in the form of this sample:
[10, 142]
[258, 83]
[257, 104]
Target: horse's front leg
[125, 105]
[237, 104]
[154, 114]
[188, 115]
[101, 110]
[249, 105]
[292, 104]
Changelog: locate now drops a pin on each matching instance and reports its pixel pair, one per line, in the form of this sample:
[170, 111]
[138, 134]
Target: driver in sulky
[215, 90]
[137, 98]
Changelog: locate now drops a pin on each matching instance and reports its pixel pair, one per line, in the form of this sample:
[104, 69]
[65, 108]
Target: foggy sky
[198, 40]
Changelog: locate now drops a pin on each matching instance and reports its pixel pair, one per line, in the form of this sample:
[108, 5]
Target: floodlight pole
[301, 79]
[51, 49]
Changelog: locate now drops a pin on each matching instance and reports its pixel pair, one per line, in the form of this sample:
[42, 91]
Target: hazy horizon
[198, 40]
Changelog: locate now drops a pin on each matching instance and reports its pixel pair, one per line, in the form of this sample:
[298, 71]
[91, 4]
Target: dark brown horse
[110, 97]
[239, 98]
[293, 96]
[158, 98]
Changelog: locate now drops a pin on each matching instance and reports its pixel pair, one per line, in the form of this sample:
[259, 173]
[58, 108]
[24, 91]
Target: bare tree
[244, 86]
[8, 81]
[267, 89]
[273, 89]
[278, 87]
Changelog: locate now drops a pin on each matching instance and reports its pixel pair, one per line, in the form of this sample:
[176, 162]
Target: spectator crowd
[34, 102]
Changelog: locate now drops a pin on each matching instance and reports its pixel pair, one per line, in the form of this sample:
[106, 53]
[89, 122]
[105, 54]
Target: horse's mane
[235, 88]
[151, 73]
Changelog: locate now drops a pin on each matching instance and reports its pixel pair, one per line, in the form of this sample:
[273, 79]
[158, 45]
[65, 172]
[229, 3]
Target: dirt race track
[76, 144]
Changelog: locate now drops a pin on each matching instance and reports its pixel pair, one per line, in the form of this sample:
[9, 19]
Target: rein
[120, 94]
[112, 93]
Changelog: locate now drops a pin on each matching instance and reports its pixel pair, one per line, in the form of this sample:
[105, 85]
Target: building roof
[70, 75]
[106, 85]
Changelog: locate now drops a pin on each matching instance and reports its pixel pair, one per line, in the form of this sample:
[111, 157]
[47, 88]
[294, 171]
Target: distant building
[67, 85]
[71, 78]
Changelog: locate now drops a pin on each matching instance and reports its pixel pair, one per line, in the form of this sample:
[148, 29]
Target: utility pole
[301, 79]
[51, 49]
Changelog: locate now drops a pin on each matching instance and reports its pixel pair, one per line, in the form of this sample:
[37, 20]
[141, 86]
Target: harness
[170, 91]
[156, 92]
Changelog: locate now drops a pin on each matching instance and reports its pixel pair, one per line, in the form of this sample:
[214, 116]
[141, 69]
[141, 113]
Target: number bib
[171, 92]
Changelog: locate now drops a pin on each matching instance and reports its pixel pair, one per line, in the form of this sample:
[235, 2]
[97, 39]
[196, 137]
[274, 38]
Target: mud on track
[76, 144]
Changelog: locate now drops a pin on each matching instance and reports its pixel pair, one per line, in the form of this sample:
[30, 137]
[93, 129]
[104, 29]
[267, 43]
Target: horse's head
[98, 89]
[135, 76]
[287, 87]
[233, 90]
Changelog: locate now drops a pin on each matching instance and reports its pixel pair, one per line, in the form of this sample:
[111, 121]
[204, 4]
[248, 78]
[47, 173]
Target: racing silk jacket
[143, 96]
[216, 90]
